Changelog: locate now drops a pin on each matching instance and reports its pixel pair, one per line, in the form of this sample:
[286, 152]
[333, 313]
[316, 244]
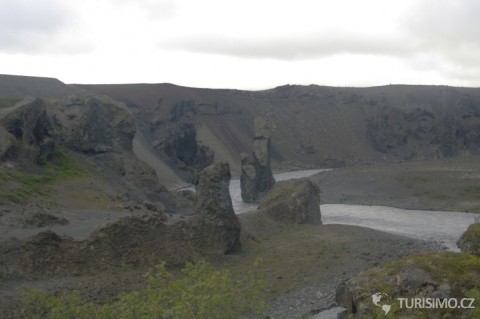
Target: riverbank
[443, 185]
[301, 266]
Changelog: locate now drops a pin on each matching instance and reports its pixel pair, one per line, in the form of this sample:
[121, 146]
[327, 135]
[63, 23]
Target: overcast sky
[247, 44]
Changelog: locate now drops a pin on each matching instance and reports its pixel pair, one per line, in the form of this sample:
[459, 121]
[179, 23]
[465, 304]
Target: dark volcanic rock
[177, 142]
[28, 132]
[40, 219]
[7, 144]
[425, 133]
[93, 125]
[138, 240]
[215, 206]
[256, 178]
[35, 130]
[295, 201]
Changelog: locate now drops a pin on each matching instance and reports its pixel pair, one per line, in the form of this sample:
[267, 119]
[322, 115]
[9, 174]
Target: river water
[235, 193]
[442, 227]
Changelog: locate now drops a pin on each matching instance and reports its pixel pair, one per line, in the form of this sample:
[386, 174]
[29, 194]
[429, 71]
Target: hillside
[314, 125]
[84, 173]
[15, 86]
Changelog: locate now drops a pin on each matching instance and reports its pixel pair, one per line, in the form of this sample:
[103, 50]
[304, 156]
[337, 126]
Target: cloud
[291, 47]
[30, 25]
[450, 32]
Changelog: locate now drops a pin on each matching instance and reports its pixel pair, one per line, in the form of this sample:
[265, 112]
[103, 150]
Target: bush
[200, 292]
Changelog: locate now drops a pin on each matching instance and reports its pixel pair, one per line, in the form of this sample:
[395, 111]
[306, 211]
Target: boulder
[256, 177]
[469, 242]
[294, 201]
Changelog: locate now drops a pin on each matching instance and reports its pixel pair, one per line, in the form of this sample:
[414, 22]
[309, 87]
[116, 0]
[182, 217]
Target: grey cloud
[30, 25]
[446, 23]
[451, 31]
[291, 48]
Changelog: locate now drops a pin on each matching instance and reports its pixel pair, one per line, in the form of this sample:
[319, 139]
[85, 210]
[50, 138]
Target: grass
[200, 292]
[470, 191]
[290, 259]
[8, 102]
[20, 186]
[444, 189]
[472, 237]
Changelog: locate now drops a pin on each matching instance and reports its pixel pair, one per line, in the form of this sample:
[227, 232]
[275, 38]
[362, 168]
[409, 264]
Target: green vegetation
[454, 189]
[199, 292]
[471, 238]
[460, 271]
[470, 191]
[8, 102]
[19, 186]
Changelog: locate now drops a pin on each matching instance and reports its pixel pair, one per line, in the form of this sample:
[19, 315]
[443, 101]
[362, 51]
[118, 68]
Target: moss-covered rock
[470, 240]
[295, 201]
[442, 276]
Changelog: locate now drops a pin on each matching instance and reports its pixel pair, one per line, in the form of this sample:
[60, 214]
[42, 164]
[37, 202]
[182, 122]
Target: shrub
[199, 292]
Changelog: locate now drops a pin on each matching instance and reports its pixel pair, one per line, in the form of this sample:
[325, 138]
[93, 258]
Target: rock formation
[294, 201]
[37, 130]
[94, 125]
[256, 178]
[27, 133]
[426, 133]
[215, 207]
[470, 240]
[176, 141]
[143, 238]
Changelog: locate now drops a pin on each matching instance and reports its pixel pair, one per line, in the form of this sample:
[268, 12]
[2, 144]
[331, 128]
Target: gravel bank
[343, 250]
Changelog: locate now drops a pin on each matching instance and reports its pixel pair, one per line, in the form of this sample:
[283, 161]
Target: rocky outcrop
[85, 124]
[294, 201]
[94, 125]
[375, 292]
[470, 240]
[27, 133]
[426, 133]
[256, 178]
[176, 141]
[142, 239]
[35, 131]
[220, 226]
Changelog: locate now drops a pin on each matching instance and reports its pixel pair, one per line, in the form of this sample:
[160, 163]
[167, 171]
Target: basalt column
[256, 178]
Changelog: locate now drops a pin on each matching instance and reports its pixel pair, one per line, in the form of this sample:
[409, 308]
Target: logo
[379, 299]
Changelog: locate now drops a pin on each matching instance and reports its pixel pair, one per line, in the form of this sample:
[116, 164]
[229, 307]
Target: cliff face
[427, 132]
[318, 126]
[35, 130]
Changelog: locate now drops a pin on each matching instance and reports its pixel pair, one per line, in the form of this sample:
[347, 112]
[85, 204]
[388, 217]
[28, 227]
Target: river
[442, 227]
[235, 193]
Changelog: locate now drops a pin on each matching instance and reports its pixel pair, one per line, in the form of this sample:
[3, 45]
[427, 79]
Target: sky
[248, 44]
